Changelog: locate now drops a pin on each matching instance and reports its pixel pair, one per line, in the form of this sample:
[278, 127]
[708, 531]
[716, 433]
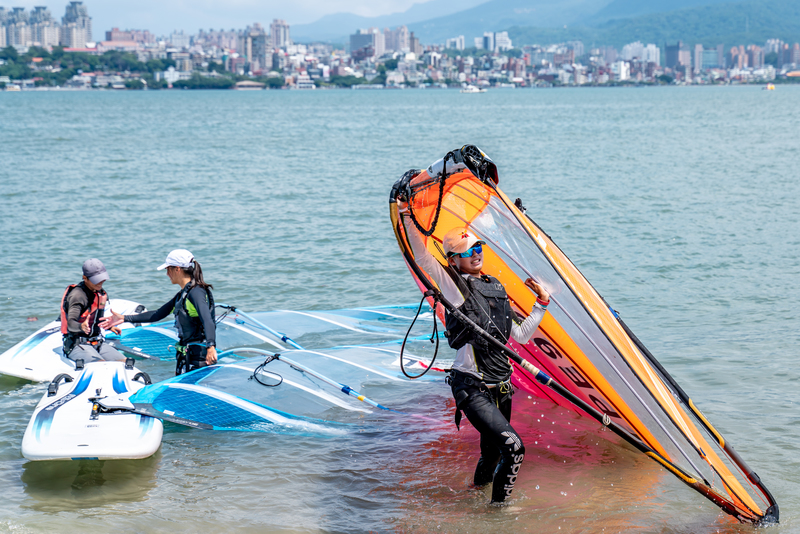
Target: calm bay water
[679, 204]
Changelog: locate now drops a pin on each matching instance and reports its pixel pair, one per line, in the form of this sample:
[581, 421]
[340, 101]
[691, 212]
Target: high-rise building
[47, 33]
[609, 54]
[18, 32]
[368, 43]
[502, 42]
[396, 40]
[621, 70]
[685, 57]
[414, 46]
[71, 36]
[698, 58]
[577, 46]
[388, 40]
[784, 55]
[632, 51]
[180, 39]
[39, 14]
[517, 66]
[360, 40]
[279, 31]
[796, 54]
[17, 15]
[136, 36]
[737, 58]
[245, 45]
[403, 38]
[44, 29]
[380, 42]
[773, 45]
[116, 35]
[755, 56]
[495, 41]
[219, 38]
[488, 41]
[678, 55]
[78, 15]
[564, 56]
[456, 43]
[651, 54]
[260, 49]
[713, 58]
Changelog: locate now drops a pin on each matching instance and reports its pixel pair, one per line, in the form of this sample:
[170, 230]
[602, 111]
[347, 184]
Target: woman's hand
[211, 356]
[540, 291]
[402, 206]
[107, 323]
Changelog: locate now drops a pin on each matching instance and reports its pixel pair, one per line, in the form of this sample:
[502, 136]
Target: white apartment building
[279, 31]
[456, 43]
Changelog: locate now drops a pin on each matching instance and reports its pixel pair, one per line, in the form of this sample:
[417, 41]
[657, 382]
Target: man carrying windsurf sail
[193, 306]
[82, 308]
[480, 377]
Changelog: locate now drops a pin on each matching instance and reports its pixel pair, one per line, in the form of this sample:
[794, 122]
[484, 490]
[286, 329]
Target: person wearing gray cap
[82, 307]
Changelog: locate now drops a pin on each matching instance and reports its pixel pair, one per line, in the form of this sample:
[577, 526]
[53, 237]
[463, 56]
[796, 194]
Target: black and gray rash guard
[198, 324]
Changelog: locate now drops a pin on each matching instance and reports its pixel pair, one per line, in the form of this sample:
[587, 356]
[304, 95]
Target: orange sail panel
[581, 343]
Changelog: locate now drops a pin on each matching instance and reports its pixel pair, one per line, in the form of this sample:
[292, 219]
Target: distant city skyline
[162, 17]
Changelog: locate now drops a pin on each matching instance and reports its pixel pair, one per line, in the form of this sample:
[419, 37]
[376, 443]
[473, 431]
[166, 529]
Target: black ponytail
[196, 272]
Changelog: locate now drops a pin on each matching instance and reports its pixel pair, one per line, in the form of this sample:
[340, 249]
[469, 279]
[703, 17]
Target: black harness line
[434, 335]
[260, 368]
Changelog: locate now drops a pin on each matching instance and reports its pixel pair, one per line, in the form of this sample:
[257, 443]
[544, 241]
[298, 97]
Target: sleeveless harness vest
[486, 303]
[93, 313]
[190, 350]
[185, 324]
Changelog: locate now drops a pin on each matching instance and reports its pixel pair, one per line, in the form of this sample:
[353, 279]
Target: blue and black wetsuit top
[194, 315]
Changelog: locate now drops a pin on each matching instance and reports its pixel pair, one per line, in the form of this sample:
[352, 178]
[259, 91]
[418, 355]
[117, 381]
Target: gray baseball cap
[95, 271]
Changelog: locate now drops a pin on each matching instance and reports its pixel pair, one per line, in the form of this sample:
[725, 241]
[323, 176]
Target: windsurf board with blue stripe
[39, 357]
[85, 415]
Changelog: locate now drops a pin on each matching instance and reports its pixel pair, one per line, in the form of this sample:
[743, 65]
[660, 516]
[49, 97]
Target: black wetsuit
[487, 402]
[194, 320]
[481, 373]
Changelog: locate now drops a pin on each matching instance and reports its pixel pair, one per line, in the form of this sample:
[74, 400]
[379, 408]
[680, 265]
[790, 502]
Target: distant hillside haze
[595, 22]
[499, 15]
[733, 23]
[339, 26]
[438, 20]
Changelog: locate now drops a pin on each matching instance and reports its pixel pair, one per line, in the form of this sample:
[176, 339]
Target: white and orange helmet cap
[458, 240]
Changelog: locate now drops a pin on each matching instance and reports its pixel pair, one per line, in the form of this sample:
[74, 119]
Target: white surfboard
[39, 357]
[82, 416]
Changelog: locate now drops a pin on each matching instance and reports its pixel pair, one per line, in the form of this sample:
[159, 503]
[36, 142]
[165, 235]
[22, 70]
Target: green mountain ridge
[497, 15]
[738, 23]
[627, 9]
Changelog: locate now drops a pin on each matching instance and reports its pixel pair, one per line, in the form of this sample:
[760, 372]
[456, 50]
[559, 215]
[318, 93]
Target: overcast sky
[164, 16]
